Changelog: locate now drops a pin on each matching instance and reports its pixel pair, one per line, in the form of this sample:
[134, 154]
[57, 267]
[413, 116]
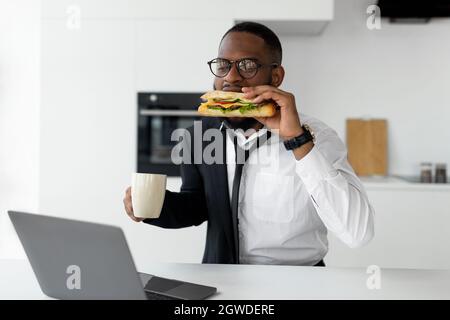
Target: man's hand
[286, 120]
[129, 207]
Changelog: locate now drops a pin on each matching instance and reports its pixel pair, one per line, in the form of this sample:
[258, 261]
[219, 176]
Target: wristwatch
[302, 139]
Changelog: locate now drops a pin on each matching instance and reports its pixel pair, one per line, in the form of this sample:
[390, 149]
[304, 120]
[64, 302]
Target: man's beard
[242, 123]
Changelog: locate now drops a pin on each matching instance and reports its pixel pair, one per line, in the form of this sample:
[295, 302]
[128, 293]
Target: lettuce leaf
[242, 109]
[247, 107]
[221, 109]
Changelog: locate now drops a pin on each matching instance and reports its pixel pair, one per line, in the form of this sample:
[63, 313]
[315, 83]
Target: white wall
[19, 115]
[401, 73]
[90, 79]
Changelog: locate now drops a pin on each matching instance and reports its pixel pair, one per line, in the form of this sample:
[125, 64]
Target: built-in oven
[159, 114]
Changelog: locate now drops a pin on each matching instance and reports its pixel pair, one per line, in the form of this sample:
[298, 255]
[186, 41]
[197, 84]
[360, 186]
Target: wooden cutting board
[367, 146]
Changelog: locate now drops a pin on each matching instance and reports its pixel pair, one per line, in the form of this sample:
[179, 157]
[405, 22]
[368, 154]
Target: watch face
[310, 131]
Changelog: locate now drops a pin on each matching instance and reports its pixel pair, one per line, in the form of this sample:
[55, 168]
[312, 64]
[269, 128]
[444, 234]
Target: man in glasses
[268, 214]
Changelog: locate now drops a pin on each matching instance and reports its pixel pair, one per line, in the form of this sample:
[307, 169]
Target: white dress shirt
[287, 205]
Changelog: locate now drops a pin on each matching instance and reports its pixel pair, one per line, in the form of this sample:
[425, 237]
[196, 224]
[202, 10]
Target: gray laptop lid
[78, 260]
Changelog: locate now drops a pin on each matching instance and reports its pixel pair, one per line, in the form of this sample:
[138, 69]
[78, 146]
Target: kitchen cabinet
[306, 10]
[412, 227]
[284, 16]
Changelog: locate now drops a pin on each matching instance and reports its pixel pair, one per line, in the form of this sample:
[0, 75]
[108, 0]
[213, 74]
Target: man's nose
[233, 76]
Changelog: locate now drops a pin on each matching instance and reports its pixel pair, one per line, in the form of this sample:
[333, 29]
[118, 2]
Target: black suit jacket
[204, 196]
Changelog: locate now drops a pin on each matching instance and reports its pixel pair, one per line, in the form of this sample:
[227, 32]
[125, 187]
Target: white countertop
[248, 282]
[397, 183]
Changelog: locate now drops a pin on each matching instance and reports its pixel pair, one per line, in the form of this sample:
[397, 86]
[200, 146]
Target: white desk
[17, 281]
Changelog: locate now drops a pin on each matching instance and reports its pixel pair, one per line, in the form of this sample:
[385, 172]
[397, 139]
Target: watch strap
[300, 140]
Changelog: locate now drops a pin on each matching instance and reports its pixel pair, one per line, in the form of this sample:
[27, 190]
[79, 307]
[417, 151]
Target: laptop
[80, 260]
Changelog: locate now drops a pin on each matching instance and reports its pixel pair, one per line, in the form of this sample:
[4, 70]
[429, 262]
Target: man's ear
[277, 76]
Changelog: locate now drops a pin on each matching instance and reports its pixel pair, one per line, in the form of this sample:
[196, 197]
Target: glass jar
[426, 172]
[441, 173]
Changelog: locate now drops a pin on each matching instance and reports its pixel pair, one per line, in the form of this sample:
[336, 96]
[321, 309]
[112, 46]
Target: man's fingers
[249, 93]
[129, 207]
[270, 95]
[127, 203]
[261, 119]
[129, 210]
[259, 94]
[264, 96]
[257, 89]
[135, 219]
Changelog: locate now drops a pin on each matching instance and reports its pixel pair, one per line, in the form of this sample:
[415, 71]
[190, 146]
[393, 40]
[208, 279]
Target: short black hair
[260, 30]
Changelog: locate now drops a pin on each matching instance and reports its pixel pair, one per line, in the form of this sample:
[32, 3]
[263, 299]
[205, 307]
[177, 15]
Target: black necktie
[241, 157]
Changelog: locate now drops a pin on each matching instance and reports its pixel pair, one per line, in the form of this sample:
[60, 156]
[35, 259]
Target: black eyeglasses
[247, 67]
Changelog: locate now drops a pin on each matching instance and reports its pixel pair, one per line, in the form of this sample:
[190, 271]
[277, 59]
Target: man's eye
[248, 65]
[222, 67]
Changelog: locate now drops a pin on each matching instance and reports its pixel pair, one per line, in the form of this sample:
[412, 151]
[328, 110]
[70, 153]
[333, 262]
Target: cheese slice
[211, 102]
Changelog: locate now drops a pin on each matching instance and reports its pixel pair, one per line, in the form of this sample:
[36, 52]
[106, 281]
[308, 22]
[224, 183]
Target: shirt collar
[243, 141]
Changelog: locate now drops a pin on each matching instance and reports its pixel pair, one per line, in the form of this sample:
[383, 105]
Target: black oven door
[158, 116]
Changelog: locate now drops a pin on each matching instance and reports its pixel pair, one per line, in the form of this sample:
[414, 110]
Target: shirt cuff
[314, 167]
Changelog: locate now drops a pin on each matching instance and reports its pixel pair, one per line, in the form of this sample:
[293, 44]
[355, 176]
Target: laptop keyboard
[157, 296]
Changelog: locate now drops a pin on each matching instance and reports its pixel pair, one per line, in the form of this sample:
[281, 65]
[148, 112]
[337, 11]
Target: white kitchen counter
[392, 182]
[250, 282]
[412, 227]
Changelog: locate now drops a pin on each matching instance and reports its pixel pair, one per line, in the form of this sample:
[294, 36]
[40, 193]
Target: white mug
[147, 194]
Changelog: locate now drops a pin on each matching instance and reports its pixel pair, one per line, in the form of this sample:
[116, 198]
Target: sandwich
[233, 104]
